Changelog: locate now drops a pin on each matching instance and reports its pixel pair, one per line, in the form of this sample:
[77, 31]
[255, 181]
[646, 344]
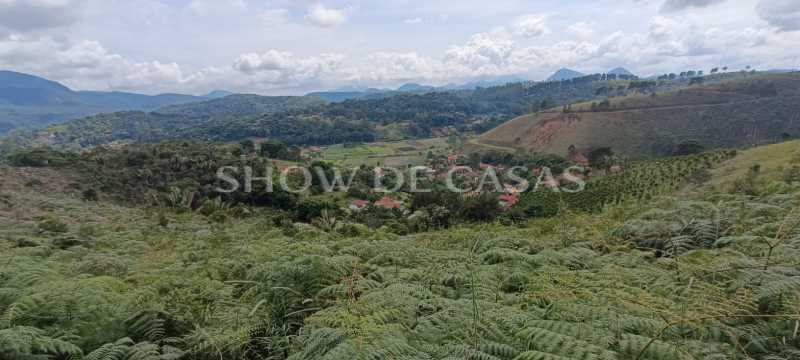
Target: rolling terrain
[305, 121]
[739, 112]
[710, 275]
[30, 102]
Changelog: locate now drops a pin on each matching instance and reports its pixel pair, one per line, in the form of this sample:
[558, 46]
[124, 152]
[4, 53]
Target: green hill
[305, 120]
[31, 102]
[708, 275]
[739, 112]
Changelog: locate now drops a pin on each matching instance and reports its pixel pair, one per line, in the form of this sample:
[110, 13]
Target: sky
[290, 47]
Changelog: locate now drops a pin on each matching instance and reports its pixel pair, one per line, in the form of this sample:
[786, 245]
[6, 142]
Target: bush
[53, 225]
[90, 195]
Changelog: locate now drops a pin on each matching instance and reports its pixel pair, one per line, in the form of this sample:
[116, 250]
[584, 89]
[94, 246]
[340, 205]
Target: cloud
[30, 15]
[782, 14]
[394, 67]
[582, 29]
[413, 21]
[323, 16]
[276, 66]
[86, 64]
[678, 5]
[483, 54]
[215, 7]
[530, 26]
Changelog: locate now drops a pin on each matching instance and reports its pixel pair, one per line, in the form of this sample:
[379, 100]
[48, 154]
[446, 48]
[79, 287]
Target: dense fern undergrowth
[710, 274]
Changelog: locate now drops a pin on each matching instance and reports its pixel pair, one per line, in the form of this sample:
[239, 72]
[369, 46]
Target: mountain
[413, 87]
[216, 94]
[352, 93]
[307, 120]
[339, 96]
[29, 102]
[747, 110]
[565, 74]
[620, 71]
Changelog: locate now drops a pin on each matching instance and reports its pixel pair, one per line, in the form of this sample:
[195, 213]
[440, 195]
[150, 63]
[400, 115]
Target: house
[358, 205]
[578, 159]
[389, 203]
[452, 158]
[507, 201]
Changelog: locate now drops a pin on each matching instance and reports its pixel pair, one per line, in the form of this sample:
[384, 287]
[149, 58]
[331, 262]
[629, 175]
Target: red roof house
[389, 203]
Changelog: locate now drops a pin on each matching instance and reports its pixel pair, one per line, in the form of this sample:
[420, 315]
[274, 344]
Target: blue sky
[295, 46]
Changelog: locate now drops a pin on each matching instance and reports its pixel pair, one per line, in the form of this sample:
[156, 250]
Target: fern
[28, 342]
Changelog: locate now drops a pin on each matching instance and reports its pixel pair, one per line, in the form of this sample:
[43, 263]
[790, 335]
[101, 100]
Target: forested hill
[306, 121]
[242, 105]
[745, 111]
[30, 102]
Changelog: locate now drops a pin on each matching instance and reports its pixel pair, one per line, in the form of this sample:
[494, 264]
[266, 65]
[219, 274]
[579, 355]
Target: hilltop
[29, 102]
[743, 111]
[565, 74]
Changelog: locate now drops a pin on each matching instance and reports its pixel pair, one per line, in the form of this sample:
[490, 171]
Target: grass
[773, 159]
[395, 153]
[640, 127]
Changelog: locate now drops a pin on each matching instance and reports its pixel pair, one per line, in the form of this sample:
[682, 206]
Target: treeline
[307, 121]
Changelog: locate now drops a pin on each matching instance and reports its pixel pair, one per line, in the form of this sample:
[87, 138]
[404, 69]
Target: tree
[601, 158]
[482, 208]
[689, 147]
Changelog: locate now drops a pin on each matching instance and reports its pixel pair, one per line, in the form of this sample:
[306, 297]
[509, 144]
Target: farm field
[392, 154]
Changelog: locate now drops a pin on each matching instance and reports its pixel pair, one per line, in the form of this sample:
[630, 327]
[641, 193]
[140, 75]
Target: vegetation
[304, 121]
[720, 114]
[29, 102]
[711, 275]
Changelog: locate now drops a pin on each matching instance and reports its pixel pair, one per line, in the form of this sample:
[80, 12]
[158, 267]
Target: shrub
[51, 224]
[90, 195]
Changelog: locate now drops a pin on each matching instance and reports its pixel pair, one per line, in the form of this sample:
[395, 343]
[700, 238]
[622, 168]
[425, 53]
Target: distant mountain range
[352, 93]
[568, 74]
[30, 102]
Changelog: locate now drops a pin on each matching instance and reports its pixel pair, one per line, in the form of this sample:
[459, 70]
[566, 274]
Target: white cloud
[323, 16]
[395, 67]
[188, 46]
[28, 15]
[276, 66]
[582, 29]
[783, 14]
[215, 7]
[531, 26]
[678, 5]
[86, 65]
[483, 54]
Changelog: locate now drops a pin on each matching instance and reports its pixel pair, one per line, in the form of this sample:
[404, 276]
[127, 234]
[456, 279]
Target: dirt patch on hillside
[543, 133]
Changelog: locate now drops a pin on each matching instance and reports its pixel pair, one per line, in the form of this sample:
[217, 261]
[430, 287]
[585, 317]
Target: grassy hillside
[710, 275]
[745, 111]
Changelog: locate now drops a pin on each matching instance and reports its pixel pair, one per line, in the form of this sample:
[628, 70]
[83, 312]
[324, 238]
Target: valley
[589, 217]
